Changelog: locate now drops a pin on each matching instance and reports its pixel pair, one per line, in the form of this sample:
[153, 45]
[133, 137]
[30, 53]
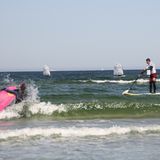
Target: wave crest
[139, 81]
[88, 110]
[77, 132]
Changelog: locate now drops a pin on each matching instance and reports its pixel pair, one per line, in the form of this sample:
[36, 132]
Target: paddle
[139, 75]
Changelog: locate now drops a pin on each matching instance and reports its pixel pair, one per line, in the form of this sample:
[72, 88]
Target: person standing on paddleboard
[153, 75]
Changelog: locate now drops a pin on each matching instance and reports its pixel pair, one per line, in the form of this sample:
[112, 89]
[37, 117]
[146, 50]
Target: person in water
[153, 75]
[20, 92]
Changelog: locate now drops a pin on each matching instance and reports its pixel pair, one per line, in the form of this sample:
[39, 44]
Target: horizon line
[66, 70]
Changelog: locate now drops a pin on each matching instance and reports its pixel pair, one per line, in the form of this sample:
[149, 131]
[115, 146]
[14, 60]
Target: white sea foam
[12, 111]
[25, 109]
[42, 108]
[139, 81]
[46, 108]
[5, 114]
[77, 132]
[112, 81]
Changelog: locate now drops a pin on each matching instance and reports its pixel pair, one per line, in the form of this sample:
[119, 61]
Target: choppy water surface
[80, 115]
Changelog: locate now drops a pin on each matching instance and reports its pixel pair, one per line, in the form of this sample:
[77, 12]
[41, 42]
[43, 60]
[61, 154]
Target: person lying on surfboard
[18, 92]
[153, 75]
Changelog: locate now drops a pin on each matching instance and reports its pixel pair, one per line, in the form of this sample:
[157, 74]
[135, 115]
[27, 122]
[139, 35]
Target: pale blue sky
[78, 34]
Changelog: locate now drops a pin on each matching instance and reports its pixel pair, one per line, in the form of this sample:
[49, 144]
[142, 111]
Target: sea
[80, 115]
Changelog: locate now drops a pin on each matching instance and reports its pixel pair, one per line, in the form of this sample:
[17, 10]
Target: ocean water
[80, 115]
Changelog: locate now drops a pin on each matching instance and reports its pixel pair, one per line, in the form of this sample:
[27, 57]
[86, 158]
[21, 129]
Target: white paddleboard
[140, 94]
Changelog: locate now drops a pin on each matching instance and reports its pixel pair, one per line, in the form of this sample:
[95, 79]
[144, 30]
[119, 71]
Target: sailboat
[118, 70]
[46, 71]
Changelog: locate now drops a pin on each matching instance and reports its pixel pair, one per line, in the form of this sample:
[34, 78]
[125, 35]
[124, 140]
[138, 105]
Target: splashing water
[7, 80]
[15, 111]
[32, 93]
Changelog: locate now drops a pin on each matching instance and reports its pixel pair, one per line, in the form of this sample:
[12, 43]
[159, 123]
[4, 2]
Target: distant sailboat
[46, 71]
[118, 70]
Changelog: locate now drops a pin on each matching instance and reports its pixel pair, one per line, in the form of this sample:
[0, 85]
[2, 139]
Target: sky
[78, 34]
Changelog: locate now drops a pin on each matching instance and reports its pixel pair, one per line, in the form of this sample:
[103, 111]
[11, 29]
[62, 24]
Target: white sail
[46, 70]
[118, 70]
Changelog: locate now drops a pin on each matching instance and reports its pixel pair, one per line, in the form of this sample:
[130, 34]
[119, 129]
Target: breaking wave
[77, 132]
[88, 110]
[139, 81]
[110, 106]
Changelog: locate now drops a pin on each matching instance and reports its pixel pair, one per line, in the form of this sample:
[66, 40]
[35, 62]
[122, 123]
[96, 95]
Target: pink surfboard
[7, 98]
